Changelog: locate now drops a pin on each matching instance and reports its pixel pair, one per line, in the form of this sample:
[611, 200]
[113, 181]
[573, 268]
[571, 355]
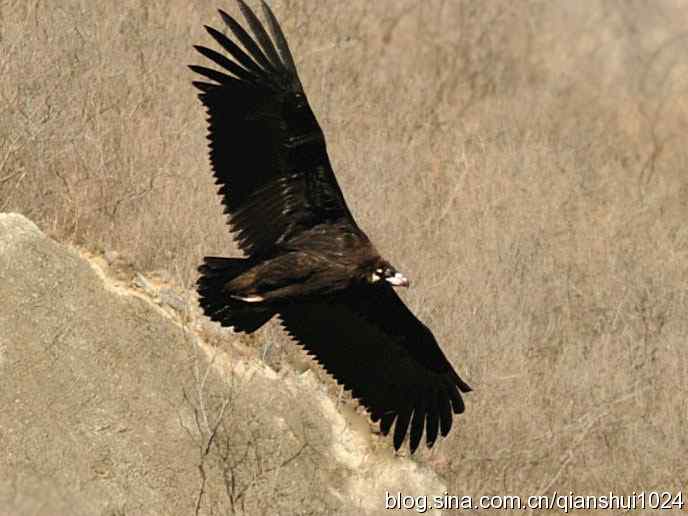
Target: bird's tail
[217, 302]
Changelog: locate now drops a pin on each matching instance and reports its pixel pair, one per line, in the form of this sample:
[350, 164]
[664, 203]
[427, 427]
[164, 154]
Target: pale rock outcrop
[113, 403]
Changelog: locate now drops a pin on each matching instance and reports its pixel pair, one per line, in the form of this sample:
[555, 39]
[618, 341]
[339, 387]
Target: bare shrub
[250, 460]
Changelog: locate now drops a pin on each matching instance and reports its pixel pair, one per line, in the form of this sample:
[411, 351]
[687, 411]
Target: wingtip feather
[266, 44]
[281, 40]
[401, 427]
[417, 424]
[445, 414]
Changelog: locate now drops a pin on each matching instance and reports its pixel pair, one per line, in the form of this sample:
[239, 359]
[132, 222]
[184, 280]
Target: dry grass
[524, 163]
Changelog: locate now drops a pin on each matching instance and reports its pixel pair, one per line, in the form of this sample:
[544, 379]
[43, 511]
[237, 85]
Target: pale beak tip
[399, 280]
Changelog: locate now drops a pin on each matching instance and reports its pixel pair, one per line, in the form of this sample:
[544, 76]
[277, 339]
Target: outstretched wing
[267, 150]
[373, 345]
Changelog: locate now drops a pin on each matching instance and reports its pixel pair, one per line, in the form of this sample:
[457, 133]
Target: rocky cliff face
[113, 403]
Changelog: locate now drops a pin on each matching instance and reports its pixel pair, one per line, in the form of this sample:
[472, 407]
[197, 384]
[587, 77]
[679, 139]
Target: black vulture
[307, 261]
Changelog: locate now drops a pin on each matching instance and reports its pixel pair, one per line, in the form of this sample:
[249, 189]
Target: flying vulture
[307, 261]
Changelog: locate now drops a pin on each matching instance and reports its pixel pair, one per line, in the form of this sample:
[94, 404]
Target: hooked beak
[398, 280]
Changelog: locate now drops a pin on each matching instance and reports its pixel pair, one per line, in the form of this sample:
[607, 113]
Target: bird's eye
[389, 272]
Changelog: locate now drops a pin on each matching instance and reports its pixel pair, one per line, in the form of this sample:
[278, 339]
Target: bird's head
[383, 270]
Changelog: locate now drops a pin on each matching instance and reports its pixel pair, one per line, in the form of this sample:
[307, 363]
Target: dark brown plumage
[307, 260]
